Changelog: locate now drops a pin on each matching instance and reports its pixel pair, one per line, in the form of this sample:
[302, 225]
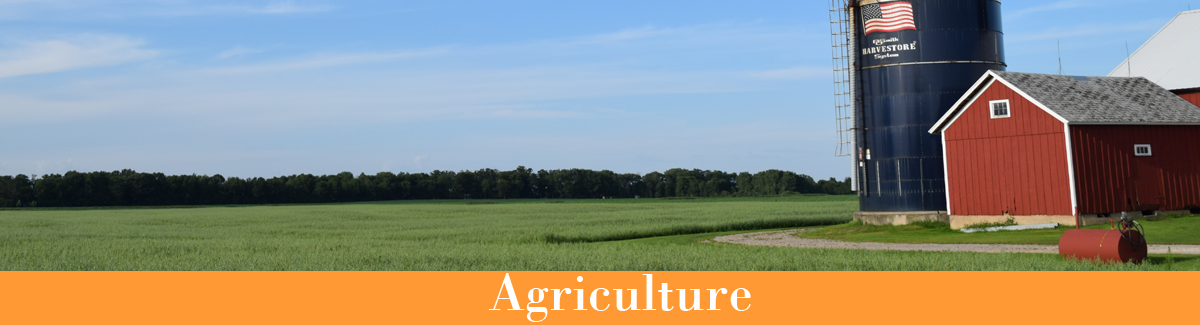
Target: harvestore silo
[900, 65]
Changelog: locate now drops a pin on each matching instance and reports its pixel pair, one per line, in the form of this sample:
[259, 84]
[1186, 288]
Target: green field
[641, 235]
[1171, 230]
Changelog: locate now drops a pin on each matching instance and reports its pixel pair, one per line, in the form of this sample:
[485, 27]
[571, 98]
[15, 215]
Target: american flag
[888, 17]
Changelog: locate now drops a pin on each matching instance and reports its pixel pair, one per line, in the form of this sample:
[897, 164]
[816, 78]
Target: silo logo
[886, 16]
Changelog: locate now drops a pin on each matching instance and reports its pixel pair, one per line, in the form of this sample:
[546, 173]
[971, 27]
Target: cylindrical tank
[915, 59]
[1103, 245]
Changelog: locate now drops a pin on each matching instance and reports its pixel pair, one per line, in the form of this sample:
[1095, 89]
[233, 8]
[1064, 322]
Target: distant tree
[131, 188]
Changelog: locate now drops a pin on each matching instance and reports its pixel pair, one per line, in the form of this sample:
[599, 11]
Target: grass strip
[1173, 230]
[696, 229]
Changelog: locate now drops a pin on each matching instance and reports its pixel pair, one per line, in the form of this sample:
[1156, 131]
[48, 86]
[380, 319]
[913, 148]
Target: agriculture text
[603, 299]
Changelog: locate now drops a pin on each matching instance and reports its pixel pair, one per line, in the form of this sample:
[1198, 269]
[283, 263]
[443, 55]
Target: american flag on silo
[887, 17]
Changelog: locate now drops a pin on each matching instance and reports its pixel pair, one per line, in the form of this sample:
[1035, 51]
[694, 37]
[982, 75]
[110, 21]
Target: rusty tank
[1123, 243]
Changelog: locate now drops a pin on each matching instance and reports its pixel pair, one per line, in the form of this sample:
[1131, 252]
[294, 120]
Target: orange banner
[597, 297]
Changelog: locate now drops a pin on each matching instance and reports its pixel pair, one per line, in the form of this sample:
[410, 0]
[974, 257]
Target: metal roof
[1088, 100]
[1168, 58]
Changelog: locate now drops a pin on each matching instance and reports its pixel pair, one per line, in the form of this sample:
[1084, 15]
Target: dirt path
[785, 238]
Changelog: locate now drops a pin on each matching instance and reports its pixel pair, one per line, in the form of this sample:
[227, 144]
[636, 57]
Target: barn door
[1147, 184]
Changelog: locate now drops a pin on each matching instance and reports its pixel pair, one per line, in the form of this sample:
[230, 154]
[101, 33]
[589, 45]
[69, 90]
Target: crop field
[566, 235]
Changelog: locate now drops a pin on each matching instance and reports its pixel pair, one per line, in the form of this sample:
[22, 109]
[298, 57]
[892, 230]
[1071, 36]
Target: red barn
[1191, 95]
[1043, 148]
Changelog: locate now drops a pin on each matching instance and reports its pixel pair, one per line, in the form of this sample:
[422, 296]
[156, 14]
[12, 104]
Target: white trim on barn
[971, 93]
[969, 103]
[1137, 150]
[1032, 100]
[1071, 170]
[1138, 123]
[945, 175]
[1007, 108]
[975, 91]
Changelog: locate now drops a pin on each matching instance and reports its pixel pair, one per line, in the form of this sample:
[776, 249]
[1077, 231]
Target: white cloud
[1061, 5]
[275, 8]
[322, 61]
[233, 116]
[795, 73]
[261, 96]
[290, 8]
[515, 81]
[237, 51]
[13, 2]
[629, 34]
[1085, 30]
[703, 34]
[89, 50]
[108, 9]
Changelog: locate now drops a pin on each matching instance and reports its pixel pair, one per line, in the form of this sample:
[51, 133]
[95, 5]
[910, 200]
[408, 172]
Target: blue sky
[267, 88]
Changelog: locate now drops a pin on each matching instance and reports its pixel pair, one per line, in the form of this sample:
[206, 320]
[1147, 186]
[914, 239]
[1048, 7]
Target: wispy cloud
[1061, 5]
[706, 33]
[109, 9]
[323, 61]
[236, 52]
[88, 50]
[512, 81]
[794, 73]
[1085, 30]
[178, 112]
[419, 161]
[290, 8]
[274, 8]
[629, 34]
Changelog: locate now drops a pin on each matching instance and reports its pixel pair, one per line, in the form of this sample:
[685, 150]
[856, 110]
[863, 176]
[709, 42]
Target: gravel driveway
[785, 238]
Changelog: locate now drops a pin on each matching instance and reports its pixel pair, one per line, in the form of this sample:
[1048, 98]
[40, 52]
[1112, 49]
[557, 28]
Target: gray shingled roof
[1104, 100]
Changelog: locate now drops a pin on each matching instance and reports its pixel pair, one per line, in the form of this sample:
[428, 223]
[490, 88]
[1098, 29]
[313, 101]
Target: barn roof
[1088, 100]
[1167, 58]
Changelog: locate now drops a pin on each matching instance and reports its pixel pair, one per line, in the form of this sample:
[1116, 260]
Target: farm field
[1170, 230]
[555, 235]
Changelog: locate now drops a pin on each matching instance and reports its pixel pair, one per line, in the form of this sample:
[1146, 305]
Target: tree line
[131, 188]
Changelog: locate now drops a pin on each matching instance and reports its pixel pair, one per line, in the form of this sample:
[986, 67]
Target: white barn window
[1142, 150]
[1000, 109]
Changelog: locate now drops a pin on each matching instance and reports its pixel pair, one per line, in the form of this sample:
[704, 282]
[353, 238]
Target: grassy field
[1172, 230]
[642, 235]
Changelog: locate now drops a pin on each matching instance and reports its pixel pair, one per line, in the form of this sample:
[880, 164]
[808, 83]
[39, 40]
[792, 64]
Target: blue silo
[912, 60]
